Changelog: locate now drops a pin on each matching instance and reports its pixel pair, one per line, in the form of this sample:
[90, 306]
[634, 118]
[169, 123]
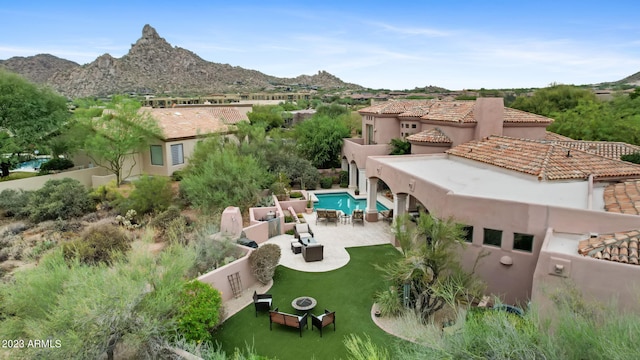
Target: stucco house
[545, 208]
[182, 127]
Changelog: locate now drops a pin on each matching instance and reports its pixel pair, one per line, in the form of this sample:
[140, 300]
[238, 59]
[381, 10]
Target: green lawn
[16, 175]
[348, 291]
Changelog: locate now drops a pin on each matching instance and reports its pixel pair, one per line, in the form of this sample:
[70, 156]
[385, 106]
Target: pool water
[343, 201]
[31, 165]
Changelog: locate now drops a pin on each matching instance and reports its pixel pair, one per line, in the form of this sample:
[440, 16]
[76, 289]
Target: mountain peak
[149, 33]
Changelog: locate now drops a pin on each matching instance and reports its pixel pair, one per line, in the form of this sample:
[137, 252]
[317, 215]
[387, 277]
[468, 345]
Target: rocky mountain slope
[153, 65]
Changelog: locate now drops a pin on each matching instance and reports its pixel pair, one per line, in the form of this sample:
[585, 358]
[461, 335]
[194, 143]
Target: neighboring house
[182, 127]
[544, 208]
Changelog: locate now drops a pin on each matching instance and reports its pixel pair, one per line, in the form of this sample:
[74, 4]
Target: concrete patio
[335, 238]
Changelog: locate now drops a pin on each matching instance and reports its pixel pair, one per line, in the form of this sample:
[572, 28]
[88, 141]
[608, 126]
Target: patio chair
[332, 216]
[328, 318]
[313, 252]
[387, 215]
[357, 215]
[321, 215]
[262, 302]
[302, 230]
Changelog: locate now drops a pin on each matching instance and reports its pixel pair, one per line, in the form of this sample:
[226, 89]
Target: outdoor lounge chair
[332, 216]
[321, 215]
[262, 302]
[302, 230]
[328, 318]
[357, 215]
[387, 215]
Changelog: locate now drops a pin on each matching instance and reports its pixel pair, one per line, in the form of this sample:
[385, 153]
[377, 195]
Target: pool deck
[335, 238]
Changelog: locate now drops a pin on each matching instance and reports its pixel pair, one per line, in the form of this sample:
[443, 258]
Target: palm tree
[430, 271]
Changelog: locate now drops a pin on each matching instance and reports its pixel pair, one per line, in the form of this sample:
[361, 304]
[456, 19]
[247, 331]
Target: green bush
[56, 164]
[199, 311]
[98, 244]
[63, 199]
[162, 220]
[295, 195]
[263, 262]
[344, 179]
[326, 182]
[389, 302]
[177, 175]
[151, 193]
[14, 202]
[212, 253]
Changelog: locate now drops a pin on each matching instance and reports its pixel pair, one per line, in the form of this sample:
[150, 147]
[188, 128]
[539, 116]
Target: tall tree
[27, 114]
[319, 140]
[118, 133]
[553, 100]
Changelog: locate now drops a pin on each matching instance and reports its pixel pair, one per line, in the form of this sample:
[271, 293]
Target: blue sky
[395, 45]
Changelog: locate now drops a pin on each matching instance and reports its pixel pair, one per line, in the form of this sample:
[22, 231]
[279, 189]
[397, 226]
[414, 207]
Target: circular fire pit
[304, 303]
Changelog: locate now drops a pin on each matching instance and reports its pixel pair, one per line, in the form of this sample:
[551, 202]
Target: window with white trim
[177, 155]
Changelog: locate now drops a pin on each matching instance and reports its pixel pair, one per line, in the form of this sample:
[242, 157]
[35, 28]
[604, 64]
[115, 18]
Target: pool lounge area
[343, 201]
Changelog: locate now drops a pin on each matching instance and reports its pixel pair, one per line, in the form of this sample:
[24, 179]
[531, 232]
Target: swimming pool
[343, 201]
[31, 165]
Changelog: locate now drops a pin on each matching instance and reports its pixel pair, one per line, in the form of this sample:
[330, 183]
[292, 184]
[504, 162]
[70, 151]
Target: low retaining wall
[84, 176]
[218, 278]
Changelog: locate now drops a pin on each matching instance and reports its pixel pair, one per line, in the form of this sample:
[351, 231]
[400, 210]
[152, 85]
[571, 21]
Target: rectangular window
[413, 126]
[492, 237]
[156, 155]
[468, 236]
[523, 242]
[177, 157]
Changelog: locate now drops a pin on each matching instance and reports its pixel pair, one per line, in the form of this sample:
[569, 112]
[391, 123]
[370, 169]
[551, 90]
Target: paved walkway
[335, 238]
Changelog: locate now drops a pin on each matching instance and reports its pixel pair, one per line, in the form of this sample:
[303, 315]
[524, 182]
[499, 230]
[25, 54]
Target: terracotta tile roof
[450, 111]
[621, 247]
[550, 136]
[186, 122]
[435, 136]
[608, 149]
[519, 116]
[623, 197]
[546, 161]
[395, 107]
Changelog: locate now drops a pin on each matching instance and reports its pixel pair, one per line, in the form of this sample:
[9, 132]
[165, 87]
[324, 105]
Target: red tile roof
[546, 161]
[187, 122]
[550, 136]
[621, 247]
[451, 111]
[623, 197]
[609, 149]
[457, 111]
[435, 136]
[519, 116]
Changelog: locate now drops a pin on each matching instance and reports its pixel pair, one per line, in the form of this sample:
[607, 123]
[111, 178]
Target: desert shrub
[106, 195]
[389, 302]
[288, 219]
[56, 164]
[326, 182]
[97, 244]
[129, 221]
[162, 220]
[295, 195]
[212, 253]
[199, 311]
[263, 262]
[14, 202]
[151, 193]
[64, 199]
